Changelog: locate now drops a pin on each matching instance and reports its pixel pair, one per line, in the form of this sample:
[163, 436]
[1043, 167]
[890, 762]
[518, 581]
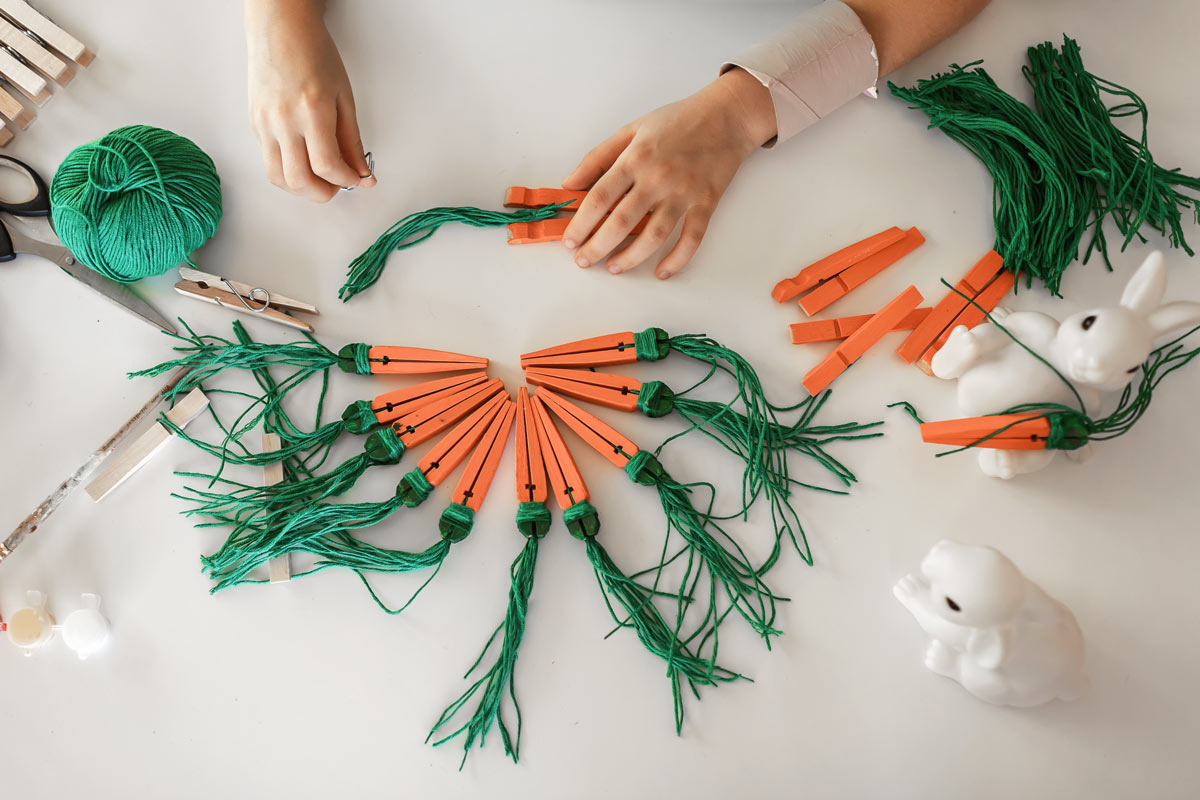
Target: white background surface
[308, 689]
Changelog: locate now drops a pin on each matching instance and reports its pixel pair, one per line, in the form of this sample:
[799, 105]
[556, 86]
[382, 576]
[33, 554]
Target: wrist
[261, 16]
[750, 105]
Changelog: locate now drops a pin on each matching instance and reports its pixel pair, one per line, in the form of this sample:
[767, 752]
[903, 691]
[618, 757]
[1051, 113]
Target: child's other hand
[673, 163]
[301, 104]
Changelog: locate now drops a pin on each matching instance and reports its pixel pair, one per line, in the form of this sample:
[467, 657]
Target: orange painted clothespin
[568, 484]
[525, 197]
[997, 431]
[550, 230]
[531, 464]
[808, 278]
[477, 477]
[986, 282]
[841, 284]
[389, 360]
[603, 438]
[619, 392]
[598, 351]
[453, 448]
[391, 406]
[862, 340]
[426, 422]
[831, 330]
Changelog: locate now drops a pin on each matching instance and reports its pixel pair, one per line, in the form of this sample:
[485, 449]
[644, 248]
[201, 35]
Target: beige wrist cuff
[813, 66]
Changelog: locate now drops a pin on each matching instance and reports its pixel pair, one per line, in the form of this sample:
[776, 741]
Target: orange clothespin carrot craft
[832, 330]
[862, 340]
[838, 286]
[812, 275]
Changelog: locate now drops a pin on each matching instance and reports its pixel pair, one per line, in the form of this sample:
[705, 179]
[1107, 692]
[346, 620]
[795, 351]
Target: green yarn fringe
[1060, 171]
[640, 614]
[494, 682]
[366, 269]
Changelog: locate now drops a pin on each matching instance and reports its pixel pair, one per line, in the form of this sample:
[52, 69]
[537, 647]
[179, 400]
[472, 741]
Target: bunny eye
[1132, 370]
[1088, 321]
[953, 605]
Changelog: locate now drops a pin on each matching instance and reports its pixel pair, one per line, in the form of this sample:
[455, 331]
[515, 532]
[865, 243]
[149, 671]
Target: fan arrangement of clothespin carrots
[675, 608]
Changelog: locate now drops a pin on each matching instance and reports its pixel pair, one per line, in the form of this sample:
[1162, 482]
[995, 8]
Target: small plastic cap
[86, 630]
[29, 628]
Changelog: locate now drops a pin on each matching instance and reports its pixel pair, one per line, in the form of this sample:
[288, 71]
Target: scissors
[15, 241]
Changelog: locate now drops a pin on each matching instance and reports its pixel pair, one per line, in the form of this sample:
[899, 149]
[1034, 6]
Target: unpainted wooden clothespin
[145, 446]
[243, 298]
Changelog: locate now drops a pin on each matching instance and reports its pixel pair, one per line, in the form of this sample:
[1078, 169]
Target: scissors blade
[66, 261]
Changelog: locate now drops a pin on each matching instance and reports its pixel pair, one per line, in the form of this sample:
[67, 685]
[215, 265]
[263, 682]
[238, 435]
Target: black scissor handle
[38, 205]
[7, 251]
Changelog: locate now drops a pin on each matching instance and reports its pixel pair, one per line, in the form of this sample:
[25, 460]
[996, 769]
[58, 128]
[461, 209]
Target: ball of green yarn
[136, 202]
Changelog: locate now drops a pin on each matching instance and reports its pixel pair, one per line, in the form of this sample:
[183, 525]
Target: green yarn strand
[497, 681]
[136, 202]
[367, 268]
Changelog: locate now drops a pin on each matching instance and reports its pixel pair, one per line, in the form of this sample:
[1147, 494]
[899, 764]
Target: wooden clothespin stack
[33, 53]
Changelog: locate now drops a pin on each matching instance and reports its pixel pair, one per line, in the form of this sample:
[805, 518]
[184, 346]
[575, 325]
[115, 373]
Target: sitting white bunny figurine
[993, 630]
[1098, 350]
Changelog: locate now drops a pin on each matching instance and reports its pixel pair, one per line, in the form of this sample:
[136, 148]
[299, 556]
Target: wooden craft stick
[145, 446]
[849, 351]
[41, 58]
[6, 135]
[40, 514]
[29, 82]
[831, 330]
[28, 18]
[11, 108]
[279, 568]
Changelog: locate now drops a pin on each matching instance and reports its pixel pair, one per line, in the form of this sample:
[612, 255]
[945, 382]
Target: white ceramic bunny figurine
[1097, 350]
[992, 630]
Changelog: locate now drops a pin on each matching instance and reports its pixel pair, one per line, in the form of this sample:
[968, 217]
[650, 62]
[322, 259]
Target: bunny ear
[1173, 317]
[1146, 288]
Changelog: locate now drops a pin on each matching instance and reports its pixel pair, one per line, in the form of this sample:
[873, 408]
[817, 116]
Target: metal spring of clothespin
[370, 170]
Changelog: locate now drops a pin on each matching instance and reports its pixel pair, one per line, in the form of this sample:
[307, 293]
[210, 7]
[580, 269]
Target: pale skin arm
[301, 104]
[676, 162]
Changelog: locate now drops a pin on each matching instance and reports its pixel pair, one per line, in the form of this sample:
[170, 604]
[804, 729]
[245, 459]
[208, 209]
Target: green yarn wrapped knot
[652, 344]
[359, 417]
[456, 522]
[385, 447]
[414, 488]
[136, 202]
[655, 399]
[644, 468]
[582, 521]
[354, 358]
[1068, 431]
[533, 519]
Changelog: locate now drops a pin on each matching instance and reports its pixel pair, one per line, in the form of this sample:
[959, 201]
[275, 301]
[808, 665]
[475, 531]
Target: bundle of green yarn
[136, 202]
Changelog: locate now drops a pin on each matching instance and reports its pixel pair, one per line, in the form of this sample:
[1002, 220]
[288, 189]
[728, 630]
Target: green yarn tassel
[533, 519]
[367, 268]
[136, 203]
[1133, 189]
[1060, 171]
[742, 583]
[643, 616]
[493, 683]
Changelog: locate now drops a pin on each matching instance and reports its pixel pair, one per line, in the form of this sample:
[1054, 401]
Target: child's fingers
[695, 224]
[614, 228]
[324, 152]
[607, 193]
[272, 161]
[662, 221]
[350, 142]
[298, 174]
[598, 160]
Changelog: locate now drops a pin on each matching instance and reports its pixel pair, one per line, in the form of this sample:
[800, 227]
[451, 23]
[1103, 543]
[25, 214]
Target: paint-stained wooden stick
[48, 506]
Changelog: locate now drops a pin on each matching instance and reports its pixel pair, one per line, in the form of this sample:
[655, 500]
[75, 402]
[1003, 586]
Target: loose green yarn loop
[355, 358]
[456, 522]
[533, 519]
[136, 202]
[366, 269]
[655, 399]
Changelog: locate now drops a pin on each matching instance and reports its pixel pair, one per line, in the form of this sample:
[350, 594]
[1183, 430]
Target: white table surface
[307, 689]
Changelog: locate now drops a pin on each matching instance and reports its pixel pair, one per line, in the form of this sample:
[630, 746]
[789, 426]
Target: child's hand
[673, 163]
[301, 104]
